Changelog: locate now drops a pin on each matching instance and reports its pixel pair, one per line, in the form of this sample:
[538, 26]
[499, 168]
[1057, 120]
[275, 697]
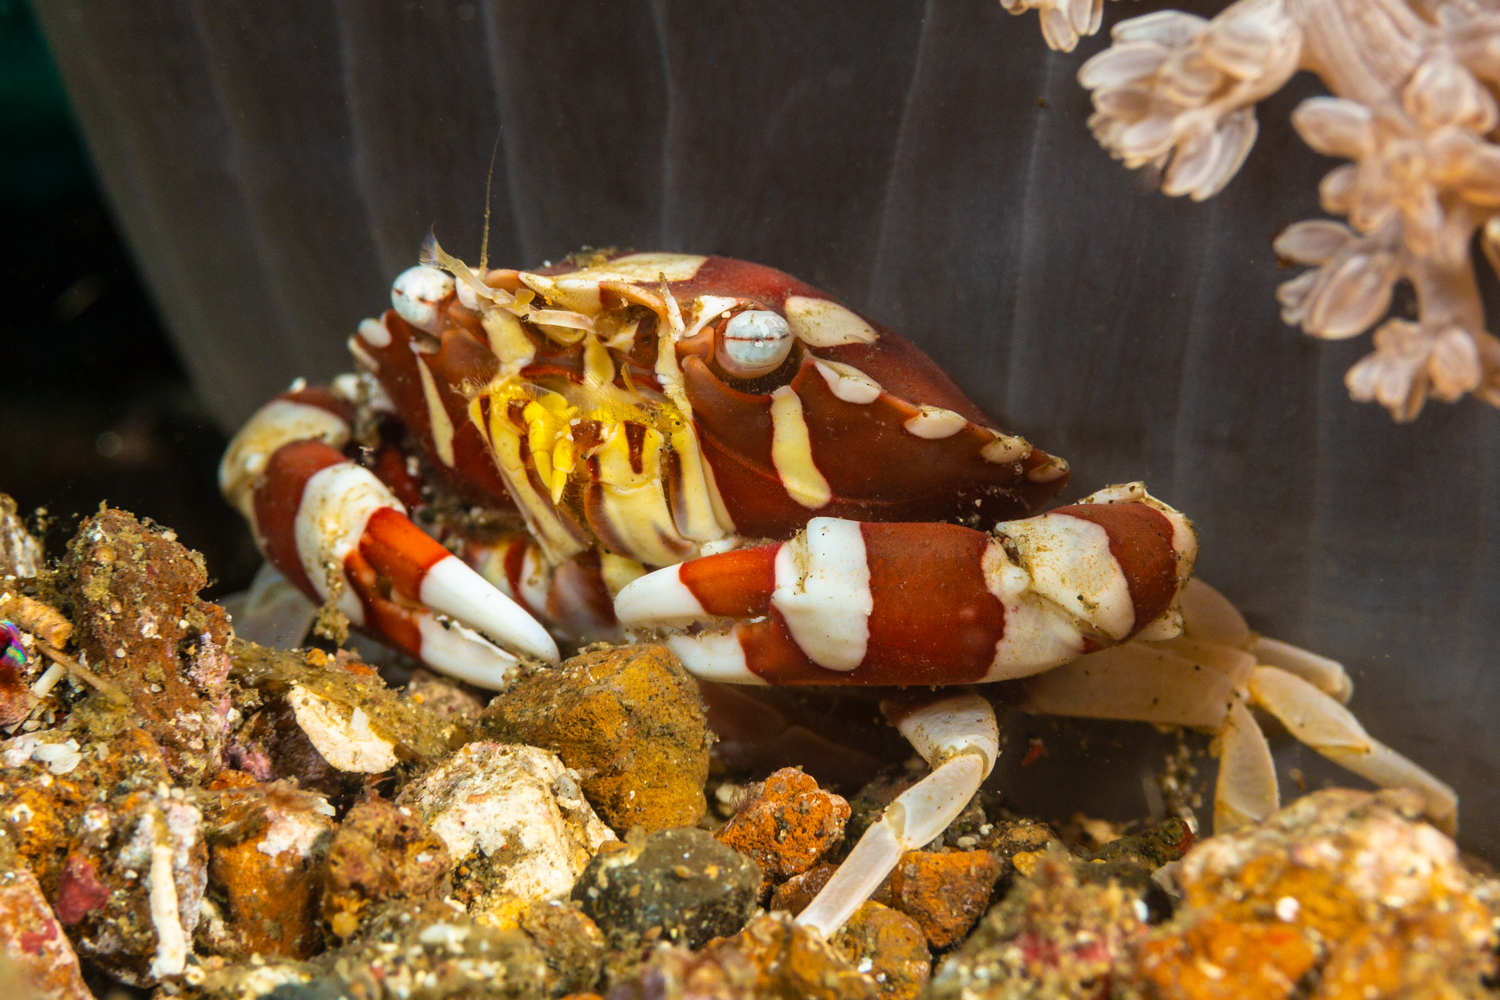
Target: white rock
[519, 808]
[344, 739]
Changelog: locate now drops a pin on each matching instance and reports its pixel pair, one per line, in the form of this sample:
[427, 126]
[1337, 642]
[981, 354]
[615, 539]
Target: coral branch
[1413, 109]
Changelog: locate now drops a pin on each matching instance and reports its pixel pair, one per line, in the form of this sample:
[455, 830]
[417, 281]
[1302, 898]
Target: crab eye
[753, 343]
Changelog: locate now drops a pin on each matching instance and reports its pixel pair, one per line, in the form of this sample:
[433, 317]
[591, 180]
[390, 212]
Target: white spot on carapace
[791, 451]
[417, 292]
[647, 267]
[1055, 469]
[336, 505]
[273, 425]
[375, 332]
[437, 415]
[823, 592]
[1005, 449]
[825, 323]
[1069, 562]
[935, 423]
[847, 382]
[714, 656]
[706, 309]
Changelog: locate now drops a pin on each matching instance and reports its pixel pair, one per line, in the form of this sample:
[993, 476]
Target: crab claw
[846, 602]
[340, 534]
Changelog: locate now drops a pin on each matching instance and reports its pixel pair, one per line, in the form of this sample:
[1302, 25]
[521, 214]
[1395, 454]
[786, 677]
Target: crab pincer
[845, 602]
[334, 529]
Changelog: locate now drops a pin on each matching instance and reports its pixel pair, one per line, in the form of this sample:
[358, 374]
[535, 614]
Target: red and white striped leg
[846, 602]
[958, 736]
[337, 532]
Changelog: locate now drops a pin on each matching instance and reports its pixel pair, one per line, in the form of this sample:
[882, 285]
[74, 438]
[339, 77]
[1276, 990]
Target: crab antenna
[489, 181]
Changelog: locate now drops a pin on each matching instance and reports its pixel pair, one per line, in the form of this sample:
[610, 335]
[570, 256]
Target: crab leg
[1319, 721]
[334, 529]
[1201, 682]
[959, 738]
[846, 602]
[1184, 682]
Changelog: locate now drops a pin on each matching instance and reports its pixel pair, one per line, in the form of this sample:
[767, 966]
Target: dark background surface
[274, 165]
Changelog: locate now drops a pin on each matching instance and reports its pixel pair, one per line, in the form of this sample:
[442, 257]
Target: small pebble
[662, 884]
[787, 825]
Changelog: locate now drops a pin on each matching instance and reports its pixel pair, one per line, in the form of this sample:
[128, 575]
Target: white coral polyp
[1178, 92]
[1063, 22]
[1412, 362]
[1349, 291]
[1413, 108]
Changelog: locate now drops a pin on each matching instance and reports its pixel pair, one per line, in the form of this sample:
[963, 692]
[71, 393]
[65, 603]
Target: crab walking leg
[1322, 723]
[1182, 682]
[846, 602]
[1246, 790]
[338, 532]
[1208, 616]
[958, 737]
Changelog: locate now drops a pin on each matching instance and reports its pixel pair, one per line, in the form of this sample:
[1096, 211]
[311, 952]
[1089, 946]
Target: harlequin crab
[714, 453]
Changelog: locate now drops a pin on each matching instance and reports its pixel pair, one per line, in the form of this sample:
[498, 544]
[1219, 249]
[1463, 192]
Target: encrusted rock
[47, 813]
[327, 721]
[1132, 860]
[1051, 937]
[1347, 890]
[266, 843]
[887, 947]
[428, 951]
[31, 937]
[771, 959]
[140, 624]
[572, 943]
[514, 820]
[20, 553]
[381, 852]
[681, 886]
[786, 825]
[1006, 838]
[147, 851]
[443, 697]
[943, 891]
[629, 720]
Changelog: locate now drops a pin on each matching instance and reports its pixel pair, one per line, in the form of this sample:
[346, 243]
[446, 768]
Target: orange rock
[1348, 886]
[792, 961]
[629, 720]
[944, 892]
[1219, 960]
[787, 826]
[381, 851]
[31, 938]
[889, 948]
[265, 879]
